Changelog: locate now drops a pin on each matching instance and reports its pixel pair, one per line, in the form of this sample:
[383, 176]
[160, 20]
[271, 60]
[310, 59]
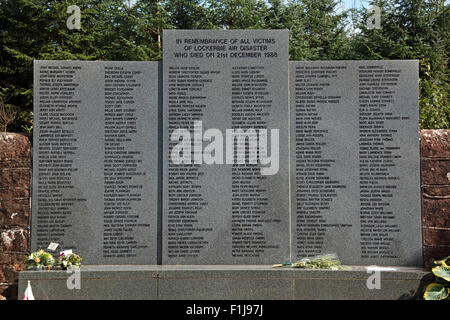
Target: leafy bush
[440, 289]
[434, 108]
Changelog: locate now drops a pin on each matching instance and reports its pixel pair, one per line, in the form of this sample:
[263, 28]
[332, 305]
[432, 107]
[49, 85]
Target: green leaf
[435, 291]
[442, 272]
[445, 262]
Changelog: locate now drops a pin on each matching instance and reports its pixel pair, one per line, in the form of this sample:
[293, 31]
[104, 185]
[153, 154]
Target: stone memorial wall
[229, 155]
[15, 208]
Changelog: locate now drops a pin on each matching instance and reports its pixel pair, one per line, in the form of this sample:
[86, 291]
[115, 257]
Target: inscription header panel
[223, 213]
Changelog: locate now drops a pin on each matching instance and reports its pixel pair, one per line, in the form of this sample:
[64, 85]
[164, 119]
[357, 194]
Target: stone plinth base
[222, 283]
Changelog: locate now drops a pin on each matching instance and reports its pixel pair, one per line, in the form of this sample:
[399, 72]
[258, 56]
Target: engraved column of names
[186, 104]
[315, 188]
[58, 105]
[251, 105]
[121, 165]
[378, 153]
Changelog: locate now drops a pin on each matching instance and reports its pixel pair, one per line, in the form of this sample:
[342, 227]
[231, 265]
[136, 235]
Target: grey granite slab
[225, 289]
[344, 289]
[353, 166]
[219, 211]
[223, 282]
[355, 161]
[95, 177]
[93, 289]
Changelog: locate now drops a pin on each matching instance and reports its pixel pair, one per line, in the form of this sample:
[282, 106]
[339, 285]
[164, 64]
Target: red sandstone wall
[15, 187]
[435, 167]
[15, 208]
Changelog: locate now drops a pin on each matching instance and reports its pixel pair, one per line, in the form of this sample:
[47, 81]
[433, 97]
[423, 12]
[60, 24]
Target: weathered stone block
[14, 240]
[435, 143]
[435, 212]
[435, 172]
[14, 192]
[14, 145]
[436, 237]
[436, 192]
[8, 291]
[14, 213]
[222, 283]
[10, 265]
[16, 260]
[15, 177]
[15, 163]
[435, 252]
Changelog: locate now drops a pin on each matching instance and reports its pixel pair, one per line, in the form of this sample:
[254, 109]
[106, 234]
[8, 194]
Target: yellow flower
[37, 260]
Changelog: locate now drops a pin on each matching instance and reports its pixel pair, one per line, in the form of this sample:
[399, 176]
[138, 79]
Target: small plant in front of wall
[440, 288]
[328, 261]
[40, 260]
[67, 260]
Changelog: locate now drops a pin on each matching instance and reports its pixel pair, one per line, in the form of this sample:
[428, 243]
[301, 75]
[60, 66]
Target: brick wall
[15, 186]
[435, 167]
[15, 208]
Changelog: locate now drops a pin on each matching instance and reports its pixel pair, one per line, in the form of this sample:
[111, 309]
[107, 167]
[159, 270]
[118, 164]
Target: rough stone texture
[14, 212]
[436, 237]
[19, 163]
[14, 146]
[435, 143]
[11, 264]
[14, 177]
[14, 193]
[435, 213]
[15, 240]
[435, 172]
[434, 252]
[15, 182]
[9, 292]
[435, 166]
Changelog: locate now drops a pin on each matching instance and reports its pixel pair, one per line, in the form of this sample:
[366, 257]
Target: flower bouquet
[40, 260]
[69, 260]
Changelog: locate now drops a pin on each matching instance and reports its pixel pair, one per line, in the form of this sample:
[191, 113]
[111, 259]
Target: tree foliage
[318, 29]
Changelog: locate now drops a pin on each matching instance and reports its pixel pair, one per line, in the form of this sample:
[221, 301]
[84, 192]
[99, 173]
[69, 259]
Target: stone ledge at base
[223, 282]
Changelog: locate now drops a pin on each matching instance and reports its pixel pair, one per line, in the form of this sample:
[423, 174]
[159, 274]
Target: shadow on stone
[11, 293]
[418, 293]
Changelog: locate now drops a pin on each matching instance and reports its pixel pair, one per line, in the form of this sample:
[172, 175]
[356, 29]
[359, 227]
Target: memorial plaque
[355, 161]
[225, 176]
[95, 175]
